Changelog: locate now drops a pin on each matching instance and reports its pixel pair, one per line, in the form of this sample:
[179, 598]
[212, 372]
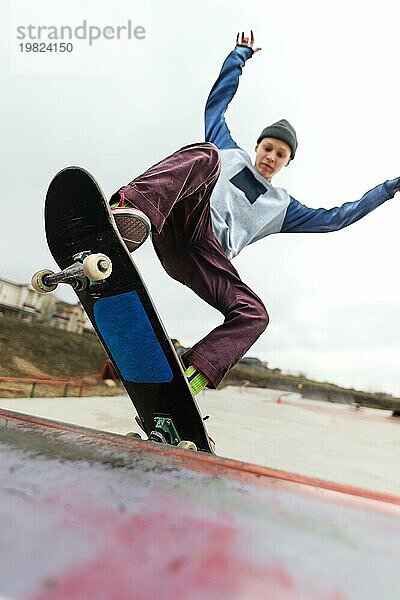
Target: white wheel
[187, 445]
[97, 266]
[133, 435]
[39, 285]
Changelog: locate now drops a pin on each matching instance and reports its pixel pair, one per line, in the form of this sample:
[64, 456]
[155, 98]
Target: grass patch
[28, 349]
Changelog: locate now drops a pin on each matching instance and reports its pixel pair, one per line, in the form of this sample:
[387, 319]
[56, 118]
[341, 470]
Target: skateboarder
[206, 202]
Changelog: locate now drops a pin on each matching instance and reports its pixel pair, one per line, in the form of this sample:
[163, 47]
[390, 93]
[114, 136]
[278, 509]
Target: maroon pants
[175, 195]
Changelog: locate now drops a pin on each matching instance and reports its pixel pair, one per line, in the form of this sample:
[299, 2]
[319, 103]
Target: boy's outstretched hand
[245, 41]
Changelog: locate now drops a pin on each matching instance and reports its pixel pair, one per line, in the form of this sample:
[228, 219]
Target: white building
[22, 301]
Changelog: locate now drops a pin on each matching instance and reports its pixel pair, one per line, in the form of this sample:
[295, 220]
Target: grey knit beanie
[281, 130]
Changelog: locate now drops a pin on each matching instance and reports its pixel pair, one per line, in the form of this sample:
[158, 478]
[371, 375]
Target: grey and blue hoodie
[245, 207]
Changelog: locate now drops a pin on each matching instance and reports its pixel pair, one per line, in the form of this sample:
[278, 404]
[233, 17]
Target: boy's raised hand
[245, 41]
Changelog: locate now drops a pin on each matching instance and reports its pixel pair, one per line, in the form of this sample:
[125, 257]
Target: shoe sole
[133, 230]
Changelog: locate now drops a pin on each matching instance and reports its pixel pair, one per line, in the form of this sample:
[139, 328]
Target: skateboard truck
[87, 268]
[165, 432]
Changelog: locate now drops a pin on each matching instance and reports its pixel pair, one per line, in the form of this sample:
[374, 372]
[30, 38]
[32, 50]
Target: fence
[66, 383]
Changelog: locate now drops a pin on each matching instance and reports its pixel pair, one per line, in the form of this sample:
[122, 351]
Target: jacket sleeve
[223, 90]
[302, 219]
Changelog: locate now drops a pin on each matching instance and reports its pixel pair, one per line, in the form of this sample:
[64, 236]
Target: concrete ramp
[90, 515]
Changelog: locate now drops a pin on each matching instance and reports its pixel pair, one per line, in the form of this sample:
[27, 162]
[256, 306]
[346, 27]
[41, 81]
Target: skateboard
[94, 260]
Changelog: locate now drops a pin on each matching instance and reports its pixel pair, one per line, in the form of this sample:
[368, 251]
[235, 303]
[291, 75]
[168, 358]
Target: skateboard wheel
[38, 283]
[187, 445]
[97, 266]
[133, 435]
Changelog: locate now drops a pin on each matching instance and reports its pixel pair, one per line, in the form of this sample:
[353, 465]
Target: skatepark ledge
[85, 513]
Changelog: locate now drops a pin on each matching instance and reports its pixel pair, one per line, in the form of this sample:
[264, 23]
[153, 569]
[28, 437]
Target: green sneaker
[197, 380]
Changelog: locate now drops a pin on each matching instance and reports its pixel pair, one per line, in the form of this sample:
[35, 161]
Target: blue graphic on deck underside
[130, 338]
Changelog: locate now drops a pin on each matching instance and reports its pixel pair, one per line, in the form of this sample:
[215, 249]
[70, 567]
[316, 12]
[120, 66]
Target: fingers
[244, 40]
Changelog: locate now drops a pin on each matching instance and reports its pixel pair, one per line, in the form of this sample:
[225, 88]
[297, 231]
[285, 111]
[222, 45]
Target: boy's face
[271, 156]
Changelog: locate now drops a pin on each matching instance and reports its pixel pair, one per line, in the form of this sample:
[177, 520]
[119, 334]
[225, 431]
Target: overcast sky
[117, 106]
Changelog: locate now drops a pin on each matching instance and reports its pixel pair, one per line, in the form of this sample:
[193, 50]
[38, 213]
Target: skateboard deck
[79, 225]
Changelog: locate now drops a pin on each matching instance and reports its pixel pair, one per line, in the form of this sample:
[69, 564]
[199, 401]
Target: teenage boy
[206, 202]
